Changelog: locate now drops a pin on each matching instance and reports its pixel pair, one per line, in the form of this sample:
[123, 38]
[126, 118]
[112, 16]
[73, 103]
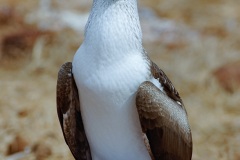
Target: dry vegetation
[196, 63]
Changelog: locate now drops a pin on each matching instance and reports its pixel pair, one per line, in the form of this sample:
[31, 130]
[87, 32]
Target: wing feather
[68, 109]
[164, 119]
[166, 83]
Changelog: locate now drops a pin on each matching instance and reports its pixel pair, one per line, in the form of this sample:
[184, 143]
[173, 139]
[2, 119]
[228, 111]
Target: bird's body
[108, 69]
[108, 109]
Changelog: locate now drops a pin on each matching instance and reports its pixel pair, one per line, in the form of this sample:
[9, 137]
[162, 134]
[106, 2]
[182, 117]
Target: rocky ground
[195, 42]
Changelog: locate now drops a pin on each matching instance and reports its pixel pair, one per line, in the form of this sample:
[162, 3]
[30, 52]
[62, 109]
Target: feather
[164, 119]
[68, 109]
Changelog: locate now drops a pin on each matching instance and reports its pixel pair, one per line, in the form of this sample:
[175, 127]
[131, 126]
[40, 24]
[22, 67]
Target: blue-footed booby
[113, 102]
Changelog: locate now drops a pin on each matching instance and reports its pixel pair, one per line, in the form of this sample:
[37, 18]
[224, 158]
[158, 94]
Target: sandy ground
[207, 38]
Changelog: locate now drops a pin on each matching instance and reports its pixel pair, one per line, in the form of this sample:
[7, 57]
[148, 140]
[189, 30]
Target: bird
[113, 101]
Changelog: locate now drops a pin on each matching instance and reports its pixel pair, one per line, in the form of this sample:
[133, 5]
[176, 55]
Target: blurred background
[196, 43]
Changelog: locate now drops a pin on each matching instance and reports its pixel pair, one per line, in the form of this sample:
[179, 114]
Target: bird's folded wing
[165, 123]
[68, 109]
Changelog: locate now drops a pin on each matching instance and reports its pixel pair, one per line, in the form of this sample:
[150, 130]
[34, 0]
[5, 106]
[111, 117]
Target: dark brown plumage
[166, 83]
[68, 108]
[164, 119]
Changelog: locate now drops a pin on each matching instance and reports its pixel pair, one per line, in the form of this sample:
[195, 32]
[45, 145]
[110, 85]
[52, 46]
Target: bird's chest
[110, 80]
[108, 90]
[107, 99]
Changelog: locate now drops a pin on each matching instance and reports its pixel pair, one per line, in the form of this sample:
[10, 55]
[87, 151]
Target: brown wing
[164, 120]
[166, 83]
[68, 109]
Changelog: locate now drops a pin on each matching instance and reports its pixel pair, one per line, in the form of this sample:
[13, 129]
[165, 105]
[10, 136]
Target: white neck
[113, 27]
